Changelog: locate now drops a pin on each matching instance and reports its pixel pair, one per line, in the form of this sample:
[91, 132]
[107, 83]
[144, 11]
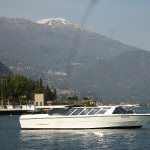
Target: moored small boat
[68, 117]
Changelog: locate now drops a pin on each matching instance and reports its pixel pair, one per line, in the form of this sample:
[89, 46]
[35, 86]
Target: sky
[125, 20]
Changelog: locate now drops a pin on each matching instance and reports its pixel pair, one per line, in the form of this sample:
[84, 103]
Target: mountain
[68, 56]
[24, 39]
[4, 71]
[124, 78]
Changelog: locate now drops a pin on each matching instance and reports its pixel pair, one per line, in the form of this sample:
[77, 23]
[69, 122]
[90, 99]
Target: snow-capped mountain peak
[50, 21]
[53, 22]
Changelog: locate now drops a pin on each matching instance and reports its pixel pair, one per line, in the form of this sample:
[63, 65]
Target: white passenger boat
[67, 117]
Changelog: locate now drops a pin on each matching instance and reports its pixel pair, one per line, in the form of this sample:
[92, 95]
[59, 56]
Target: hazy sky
[125, 20]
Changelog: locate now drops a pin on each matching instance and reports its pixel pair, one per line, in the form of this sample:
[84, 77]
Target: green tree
[3, 93]
[19, 85]
[30, 89]
[85, 98]
[39, 89]
[55, 94]
[41, 81]
[48, 93]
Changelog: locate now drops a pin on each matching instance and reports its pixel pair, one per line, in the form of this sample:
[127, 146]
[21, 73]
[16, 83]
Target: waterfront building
[39, 99]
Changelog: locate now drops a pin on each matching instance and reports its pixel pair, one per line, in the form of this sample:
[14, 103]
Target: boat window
[102, 111]
[77, 111]
[67, 113]
[57, 111]
[94, 111]
[85, 111]
[120, 110]
[124, 111]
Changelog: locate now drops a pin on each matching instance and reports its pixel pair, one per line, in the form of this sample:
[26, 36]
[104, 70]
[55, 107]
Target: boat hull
[83, 122]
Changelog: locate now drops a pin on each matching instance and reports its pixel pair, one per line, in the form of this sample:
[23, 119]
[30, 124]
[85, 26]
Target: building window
[36, 103]
[40, 103]
[3, 80]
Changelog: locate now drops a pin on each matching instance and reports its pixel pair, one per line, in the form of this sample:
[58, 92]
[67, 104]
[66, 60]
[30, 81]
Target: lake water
[13, 138]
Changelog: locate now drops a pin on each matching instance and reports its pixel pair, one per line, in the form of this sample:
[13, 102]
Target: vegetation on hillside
[20, 90]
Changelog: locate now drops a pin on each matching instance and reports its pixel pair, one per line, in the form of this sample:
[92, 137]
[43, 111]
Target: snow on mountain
[58, 21]
[50, 21]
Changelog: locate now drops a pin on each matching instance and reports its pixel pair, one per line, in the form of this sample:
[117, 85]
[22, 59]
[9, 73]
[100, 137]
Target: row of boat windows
[78, 111]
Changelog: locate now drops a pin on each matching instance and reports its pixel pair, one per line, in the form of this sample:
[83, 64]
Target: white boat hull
[45, 121]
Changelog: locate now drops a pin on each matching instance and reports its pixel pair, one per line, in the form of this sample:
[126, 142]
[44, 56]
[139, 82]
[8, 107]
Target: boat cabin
[70, 111]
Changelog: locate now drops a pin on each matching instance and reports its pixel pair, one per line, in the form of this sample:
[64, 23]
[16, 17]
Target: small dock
[16, 110]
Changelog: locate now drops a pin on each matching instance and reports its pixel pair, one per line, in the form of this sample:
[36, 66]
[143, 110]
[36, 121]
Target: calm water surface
[13, 138]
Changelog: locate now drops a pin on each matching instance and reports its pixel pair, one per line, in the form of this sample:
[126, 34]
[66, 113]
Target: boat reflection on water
[86, 139]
